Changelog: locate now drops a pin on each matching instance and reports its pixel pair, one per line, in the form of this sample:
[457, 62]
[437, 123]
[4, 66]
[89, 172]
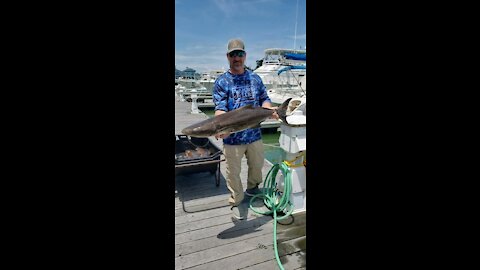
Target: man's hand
[268, 105]
[274, 115]
[221, 136]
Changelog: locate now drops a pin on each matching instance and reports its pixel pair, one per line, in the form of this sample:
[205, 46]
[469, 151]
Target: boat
[283, 92]
[276, 59]
[186, 87]
[207, 79]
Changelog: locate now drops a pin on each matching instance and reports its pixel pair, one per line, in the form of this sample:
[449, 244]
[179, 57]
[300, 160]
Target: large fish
[234, 121]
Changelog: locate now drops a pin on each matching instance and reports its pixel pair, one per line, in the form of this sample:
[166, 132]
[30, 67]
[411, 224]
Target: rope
[291, 163]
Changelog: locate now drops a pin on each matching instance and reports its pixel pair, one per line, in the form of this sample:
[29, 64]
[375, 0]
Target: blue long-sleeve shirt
[232, 91]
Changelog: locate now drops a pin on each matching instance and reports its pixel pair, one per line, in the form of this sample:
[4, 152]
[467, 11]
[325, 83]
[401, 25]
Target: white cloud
[304, 36]
[232, 8]
[301, 37]
[226, 6]
[210, 60]
[204, 61]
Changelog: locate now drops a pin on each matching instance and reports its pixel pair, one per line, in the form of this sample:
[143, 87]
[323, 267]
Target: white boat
[280, 94]
[283, 92]
[276, 59]
[186, 87]
[207, 79]
[179, 89]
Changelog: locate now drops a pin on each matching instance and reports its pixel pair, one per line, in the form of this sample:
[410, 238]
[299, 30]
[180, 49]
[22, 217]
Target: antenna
[296, 18]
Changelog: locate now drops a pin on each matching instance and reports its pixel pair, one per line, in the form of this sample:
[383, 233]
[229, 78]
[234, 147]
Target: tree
[259, 63]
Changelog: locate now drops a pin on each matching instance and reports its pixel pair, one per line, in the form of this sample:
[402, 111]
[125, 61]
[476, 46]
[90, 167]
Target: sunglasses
[236, 53]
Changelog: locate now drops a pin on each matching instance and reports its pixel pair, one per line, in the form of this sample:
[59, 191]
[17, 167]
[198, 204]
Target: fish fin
[282, 110]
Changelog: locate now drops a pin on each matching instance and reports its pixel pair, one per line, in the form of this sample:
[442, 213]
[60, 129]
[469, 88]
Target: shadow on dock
[243, 227]
[198, 192]
[252, 224]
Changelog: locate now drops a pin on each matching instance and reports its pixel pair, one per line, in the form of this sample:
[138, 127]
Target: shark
[236, 120]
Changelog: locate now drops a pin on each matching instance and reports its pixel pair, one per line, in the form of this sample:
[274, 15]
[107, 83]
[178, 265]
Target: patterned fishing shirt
[232, 91]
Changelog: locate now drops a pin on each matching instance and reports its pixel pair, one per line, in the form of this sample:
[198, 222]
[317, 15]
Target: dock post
[182, 97]
[195, 109]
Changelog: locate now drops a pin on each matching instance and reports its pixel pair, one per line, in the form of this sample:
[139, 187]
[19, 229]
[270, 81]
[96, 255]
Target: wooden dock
[206, 105]
[206, 234]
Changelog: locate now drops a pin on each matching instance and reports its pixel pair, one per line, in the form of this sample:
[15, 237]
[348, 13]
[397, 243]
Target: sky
[203, 28]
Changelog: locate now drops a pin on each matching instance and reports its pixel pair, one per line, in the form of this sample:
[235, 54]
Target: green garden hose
[275, 200]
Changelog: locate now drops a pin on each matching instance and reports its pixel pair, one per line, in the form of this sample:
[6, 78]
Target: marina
[277, 60]
[206, 234]
[283, 72]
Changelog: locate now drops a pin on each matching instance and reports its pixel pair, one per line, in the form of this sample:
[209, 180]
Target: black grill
[210, 162]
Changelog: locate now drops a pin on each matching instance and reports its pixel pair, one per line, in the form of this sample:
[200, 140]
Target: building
[187, 73]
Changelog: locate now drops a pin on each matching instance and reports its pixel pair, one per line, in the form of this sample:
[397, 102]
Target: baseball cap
[235, 45]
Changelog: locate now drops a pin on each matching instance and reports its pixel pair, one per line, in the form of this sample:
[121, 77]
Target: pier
[208, 237]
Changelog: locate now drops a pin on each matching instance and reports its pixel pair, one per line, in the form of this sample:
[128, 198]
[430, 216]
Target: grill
[195, 155]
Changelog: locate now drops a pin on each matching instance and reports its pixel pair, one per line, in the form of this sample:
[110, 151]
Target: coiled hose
[275, 200]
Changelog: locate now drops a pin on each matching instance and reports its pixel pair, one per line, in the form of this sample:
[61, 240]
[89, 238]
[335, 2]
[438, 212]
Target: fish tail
[282, 110]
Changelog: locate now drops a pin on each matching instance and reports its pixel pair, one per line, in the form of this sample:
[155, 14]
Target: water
[208, 111]
[270, 136]
[273, 152]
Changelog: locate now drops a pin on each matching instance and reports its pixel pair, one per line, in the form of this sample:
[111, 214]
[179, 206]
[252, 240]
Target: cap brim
[235, 49]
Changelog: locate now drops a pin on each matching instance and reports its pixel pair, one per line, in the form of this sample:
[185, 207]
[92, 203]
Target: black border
[94, 182]
[384, 150]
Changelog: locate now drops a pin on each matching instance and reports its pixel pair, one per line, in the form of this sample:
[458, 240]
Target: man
[236, 88]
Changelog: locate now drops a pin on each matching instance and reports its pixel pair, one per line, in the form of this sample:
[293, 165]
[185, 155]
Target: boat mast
[295, 39]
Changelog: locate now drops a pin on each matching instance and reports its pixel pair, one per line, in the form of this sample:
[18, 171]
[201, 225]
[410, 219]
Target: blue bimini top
[296, 56]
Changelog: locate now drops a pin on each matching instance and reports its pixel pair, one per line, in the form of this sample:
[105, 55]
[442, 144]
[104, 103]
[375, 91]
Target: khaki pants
[233, 158]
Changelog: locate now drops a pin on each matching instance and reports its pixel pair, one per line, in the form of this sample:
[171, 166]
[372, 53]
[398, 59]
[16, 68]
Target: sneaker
[253, 191]
[239, 211]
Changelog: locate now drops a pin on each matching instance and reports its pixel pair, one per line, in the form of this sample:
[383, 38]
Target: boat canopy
[283, 51]
[291, 67]
[296, 56]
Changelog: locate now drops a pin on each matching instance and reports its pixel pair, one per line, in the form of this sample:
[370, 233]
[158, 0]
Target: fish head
[200, 130]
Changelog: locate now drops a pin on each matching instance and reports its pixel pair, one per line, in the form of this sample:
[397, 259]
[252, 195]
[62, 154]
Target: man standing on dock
[236, 88]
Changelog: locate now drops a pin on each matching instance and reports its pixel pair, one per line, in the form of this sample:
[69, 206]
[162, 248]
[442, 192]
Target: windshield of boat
[271, 58]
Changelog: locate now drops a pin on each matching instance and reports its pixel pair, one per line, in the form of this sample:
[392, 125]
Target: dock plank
[283, 233]
[295, 261]
[193, 217]
[211, 242]
[225, 230]
[258, 252]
